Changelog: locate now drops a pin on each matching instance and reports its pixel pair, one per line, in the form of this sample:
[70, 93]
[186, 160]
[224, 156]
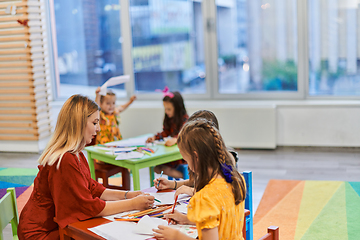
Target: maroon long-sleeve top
[67, 195]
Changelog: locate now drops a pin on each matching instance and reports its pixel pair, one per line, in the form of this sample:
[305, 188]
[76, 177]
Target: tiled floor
[298, 163]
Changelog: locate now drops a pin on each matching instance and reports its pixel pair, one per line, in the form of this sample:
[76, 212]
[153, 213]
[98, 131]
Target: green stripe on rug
[315, 196]
[331, 223]
[356, 187]
[352, 212]
[24, 180]
[19, 172]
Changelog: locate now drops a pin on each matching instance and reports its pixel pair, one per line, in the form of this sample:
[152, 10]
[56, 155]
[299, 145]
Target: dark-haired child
[174, 119]
[186, 186]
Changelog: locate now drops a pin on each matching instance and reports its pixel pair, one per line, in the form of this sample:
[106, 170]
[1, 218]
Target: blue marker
[160, 176]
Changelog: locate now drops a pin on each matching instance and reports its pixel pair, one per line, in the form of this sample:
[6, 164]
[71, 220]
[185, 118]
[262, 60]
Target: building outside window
[89, 45]
[334, 49]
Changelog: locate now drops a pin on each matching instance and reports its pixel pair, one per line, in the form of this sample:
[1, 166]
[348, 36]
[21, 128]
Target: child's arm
[185, 190]
[173, 184]
[126, 105]
[171, 142]
[210, 233]
[97, 98]
[165, 232]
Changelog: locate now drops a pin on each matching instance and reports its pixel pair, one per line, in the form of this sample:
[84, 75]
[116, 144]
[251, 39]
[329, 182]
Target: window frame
[208, 8]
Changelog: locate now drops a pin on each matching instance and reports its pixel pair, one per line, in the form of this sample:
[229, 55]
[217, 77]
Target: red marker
[173, 208]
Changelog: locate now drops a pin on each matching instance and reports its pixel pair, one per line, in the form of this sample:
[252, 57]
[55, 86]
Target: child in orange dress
[217, 207]
[109, 116]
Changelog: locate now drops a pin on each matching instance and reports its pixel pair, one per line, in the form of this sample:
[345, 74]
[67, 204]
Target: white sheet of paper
[130, 142]
[182, 207]
[118, 231]
[168, 197]
[147, 224]
[112, 82]
[128, 155]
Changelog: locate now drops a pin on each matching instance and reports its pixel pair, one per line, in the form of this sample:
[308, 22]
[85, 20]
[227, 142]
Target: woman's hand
[150, 140]
[165, 232]
[164, 183]
[133, 194]
[170, 142]
[178, 218]
[184, 190]
[143, 201]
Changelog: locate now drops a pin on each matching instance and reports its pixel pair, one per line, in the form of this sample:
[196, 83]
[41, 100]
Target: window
[167, 45]
[334, 49]
[211, 49]
[257, 46]
[88, 44]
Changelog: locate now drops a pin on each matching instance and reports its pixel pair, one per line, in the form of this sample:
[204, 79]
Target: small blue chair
[184, 169]
[249, 205]
[9, 213]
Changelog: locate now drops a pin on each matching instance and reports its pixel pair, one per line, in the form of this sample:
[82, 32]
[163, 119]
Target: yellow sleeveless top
[214, 206]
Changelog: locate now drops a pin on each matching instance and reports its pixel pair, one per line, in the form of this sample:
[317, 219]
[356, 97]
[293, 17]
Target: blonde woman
[64, 191]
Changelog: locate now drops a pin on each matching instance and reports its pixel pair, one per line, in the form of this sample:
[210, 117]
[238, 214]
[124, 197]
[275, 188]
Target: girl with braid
[217, 207]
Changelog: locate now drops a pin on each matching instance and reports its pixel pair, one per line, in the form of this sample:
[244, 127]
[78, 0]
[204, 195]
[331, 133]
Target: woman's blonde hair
[69, 130]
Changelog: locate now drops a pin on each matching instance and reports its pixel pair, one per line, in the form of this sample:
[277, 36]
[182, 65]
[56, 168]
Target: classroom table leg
[152, 176]
[91, 166]
[136, 179]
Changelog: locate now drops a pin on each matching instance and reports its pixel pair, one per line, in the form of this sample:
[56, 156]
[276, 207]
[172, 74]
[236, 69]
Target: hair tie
[227, 169]
[166, 92]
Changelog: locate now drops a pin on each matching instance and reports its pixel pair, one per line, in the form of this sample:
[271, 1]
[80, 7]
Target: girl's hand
[97, 90]
[178, 218]
[133, 194]
[170, 142]
[165, 232]
[132, 98]
[143, 201]
[184, 190]
[150, 140]
[164, 183]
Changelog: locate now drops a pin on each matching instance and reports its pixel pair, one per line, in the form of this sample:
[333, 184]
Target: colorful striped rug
[20, 178]
[310, 210]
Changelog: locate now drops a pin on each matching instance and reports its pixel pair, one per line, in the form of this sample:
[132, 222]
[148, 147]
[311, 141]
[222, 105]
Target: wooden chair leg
[105, 181]
[274, 231]
[125, 175]
[246, 213]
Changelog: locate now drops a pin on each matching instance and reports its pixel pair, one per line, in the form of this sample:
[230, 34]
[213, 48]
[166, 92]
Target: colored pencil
[149, 211]
[127, 219]
[173, 208]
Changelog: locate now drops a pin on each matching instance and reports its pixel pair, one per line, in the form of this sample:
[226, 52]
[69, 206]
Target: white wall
[249, 124]
[255, 124]
[318, 125]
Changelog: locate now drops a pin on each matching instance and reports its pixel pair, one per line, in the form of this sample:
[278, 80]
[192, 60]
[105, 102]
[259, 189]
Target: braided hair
[201, 140]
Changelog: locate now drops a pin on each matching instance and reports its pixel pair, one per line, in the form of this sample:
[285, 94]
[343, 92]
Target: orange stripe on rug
[283, 213]
[274, 192]
[23, 198]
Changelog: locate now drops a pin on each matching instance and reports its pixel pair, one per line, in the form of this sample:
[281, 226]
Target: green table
[162, 155]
